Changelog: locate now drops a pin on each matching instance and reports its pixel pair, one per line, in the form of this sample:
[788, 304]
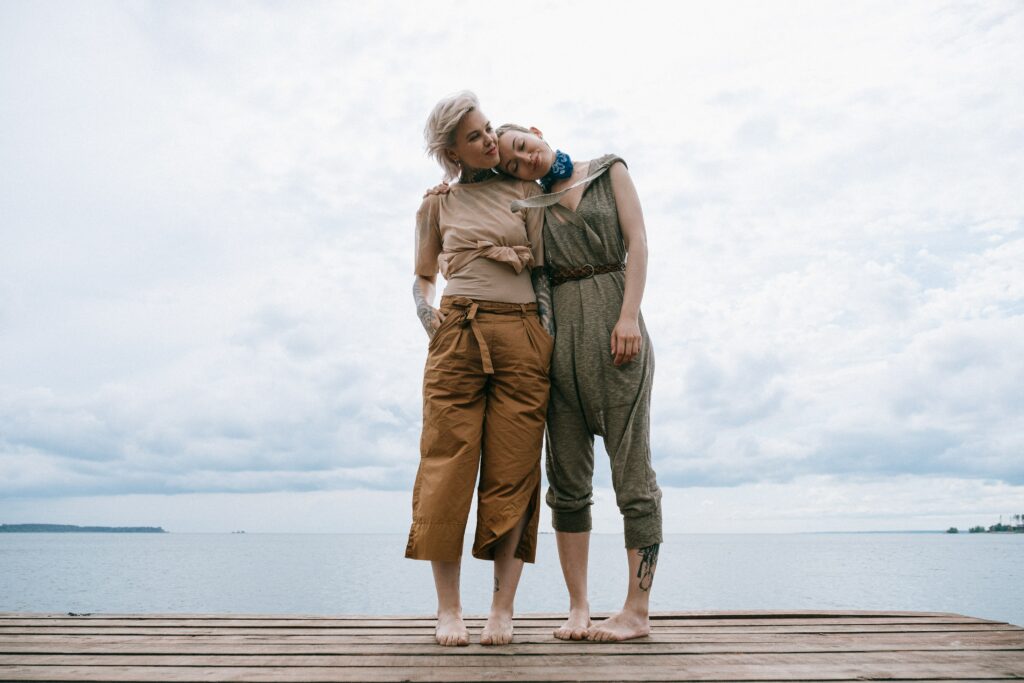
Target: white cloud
[204, 278]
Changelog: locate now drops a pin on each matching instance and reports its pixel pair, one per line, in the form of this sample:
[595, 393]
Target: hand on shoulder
[442, 188]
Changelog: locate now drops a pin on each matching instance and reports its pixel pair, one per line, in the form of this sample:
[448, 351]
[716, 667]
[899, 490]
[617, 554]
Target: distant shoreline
[72, 528]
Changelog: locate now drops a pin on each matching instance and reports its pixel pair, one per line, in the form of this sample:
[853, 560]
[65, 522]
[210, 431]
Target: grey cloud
[759, 131]
[868, 454]
[902, 452]
[209, 290]
[743, 97]
[738, 393]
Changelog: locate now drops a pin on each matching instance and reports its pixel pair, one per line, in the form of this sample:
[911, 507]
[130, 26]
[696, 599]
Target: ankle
[579, 606]
[637, 611]
[450, 611]
[501, 610]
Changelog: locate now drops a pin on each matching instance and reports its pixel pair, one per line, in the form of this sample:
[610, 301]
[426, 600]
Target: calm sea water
[978, 575]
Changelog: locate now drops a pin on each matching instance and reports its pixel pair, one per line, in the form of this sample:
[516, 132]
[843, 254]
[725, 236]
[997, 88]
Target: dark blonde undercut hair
[506, 127]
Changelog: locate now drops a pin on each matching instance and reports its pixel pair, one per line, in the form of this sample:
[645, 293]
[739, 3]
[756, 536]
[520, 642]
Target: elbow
[637, 248]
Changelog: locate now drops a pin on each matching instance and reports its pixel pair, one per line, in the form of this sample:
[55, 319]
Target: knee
[559, 502]
[638, 499]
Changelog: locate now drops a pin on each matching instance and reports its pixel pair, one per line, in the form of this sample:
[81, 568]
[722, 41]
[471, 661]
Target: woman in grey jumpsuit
[601, 370]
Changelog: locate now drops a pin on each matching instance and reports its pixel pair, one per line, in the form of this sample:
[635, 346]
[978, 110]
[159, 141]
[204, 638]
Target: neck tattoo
[561, 168]
[470, 175]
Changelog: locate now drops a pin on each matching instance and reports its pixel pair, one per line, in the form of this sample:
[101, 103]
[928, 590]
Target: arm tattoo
[648, 561]
[542, 287]
[424, 311]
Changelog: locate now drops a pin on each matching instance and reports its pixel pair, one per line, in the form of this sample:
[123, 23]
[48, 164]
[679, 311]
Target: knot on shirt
[519, 257]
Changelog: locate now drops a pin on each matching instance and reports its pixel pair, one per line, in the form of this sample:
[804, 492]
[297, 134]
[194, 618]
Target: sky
[206, 223]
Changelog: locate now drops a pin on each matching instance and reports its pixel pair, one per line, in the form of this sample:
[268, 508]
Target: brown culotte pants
[485, 395]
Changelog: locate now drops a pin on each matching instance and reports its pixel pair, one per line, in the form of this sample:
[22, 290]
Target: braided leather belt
[563, 275]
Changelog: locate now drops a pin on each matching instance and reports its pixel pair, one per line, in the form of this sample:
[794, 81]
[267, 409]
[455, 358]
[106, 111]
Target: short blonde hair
[439, 132]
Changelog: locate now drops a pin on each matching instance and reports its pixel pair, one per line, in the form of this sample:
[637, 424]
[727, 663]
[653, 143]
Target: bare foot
[622, 626]
[498, 630]
[450, 630]
[575, 627]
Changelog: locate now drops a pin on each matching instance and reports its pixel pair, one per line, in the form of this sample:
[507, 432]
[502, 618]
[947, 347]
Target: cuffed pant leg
[453, 408]
[636, 487]
[570, 468]
[516, 404]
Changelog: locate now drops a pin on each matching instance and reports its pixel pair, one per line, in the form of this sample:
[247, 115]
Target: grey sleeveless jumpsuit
[589, 394]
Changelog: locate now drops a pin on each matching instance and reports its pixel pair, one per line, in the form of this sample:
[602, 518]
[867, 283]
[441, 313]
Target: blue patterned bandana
[562, 168]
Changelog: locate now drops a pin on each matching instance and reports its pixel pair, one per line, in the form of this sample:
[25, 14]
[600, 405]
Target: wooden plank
[521, 638]
[495, 657]
[737, 646]
[655, 645]
[554, 617]
[415, 632]
[837, 667]
[695, 614]
[348, 635]
[96, 622]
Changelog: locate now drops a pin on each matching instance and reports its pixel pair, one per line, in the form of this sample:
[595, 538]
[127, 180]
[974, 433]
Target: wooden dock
[684, 646]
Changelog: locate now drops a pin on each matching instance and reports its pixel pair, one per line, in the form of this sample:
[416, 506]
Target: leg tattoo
[648, 561]
[496, 584]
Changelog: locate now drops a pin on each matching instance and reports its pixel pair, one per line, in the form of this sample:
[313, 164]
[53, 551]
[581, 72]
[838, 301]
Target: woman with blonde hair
[485, 384]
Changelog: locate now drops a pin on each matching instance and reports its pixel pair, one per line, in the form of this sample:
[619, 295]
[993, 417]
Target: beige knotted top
[479, 246]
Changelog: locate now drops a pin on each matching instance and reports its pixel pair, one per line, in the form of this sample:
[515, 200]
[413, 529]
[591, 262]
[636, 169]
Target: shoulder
[618, 173]
[618, 170]
[508, 186]
[528, 188]
[429, 207]
[520, 188]
[609, 161]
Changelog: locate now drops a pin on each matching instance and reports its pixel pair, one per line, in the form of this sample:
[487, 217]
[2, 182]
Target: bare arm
[423, 294]
[626, 338]
[542, 287]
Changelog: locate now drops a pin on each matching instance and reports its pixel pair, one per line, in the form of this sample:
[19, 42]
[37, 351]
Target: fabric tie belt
[517, 256]
[562, 275]
[470, 308]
